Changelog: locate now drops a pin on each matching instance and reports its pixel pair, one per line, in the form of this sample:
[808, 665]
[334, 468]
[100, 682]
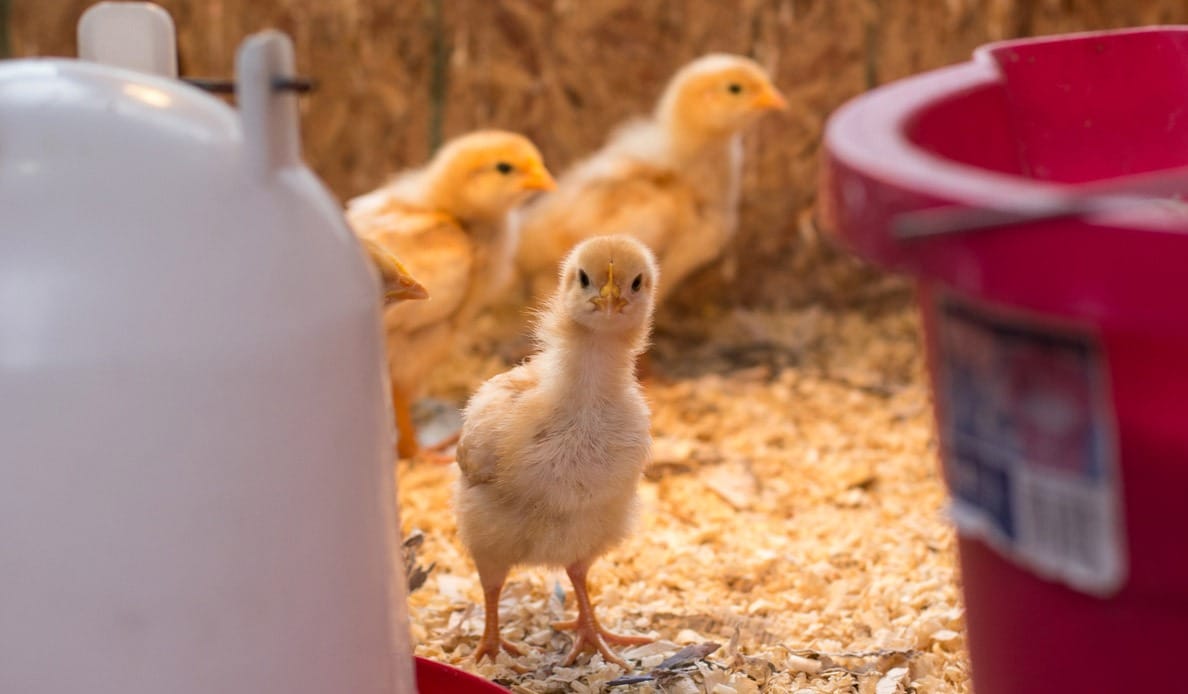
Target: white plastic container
[135, 35]
[195, 451]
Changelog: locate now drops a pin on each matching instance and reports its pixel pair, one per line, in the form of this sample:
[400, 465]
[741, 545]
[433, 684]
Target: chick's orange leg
[407, 447]
[589, 634]
[406, 431]
[491, 641]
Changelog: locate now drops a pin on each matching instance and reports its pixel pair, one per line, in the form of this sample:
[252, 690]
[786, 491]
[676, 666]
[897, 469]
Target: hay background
[396, 75]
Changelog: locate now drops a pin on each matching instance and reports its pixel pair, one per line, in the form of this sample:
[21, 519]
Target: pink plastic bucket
[1058, 350]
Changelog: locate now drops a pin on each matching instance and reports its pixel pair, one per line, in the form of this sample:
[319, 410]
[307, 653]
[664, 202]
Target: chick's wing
[494, 419]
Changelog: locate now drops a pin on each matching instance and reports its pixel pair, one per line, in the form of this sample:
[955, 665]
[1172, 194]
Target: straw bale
[397, 76]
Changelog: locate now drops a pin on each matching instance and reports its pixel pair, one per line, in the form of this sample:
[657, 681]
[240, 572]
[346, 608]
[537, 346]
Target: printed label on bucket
[1030, 458]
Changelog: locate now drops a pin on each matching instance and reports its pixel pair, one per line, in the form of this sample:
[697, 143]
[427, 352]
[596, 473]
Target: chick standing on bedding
[670, 181]
[551, 451]
[448, 223]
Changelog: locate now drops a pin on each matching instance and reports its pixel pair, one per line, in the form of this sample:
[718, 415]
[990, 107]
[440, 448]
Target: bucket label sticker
[1029, 445]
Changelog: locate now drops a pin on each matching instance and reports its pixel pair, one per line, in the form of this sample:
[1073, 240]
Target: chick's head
[608, 284]
[484, 174]
[717, 96]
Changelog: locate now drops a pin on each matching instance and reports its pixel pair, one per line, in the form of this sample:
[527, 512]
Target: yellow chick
[551, 452]
[448, 223]
[671, 180]
[397, 284]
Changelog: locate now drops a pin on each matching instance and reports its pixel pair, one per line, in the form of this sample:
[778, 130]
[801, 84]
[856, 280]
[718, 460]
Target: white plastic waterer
[135, 35]
[195, 452]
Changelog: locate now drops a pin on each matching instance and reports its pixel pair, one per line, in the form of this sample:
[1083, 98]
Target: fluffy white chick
[552, 451]
[671, 180]
[448, 224]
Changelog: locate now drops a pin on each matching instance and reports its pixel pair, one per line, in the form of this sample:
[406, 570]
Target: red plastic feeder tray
[1058, 349]
[438, 678]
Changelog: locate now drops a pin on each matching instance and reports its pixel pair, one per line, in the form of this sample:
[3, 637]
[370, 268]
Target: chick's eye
[583, 278]
[637, 283]
[734, 88]
[503, 167]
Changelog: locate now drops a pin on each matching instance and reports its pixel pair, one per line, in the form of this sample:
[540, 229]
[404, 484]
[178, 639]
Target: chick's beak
[537, 177]
[770, 100]
[404, 289]
[608, 298]
[399, 285]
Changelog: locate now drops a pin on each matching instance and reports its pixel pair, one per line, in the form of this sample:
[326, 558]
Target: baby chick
[551, 451]
[670, 181]
[448, 222]
[398, 285]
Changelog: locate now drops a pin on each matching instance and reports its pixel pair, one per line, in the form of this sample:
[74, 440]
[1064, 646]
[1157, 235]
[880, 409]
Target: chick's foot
[608, 636]
[490, 645]
[491, 642]
[589, 634]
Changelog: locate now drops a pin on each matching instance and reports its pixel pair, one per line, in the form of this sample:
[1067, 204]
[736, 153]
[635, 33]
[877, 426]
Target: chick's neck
[478, 222]
[691, 141]
[592, 363]
[442, 189]
[711, 163]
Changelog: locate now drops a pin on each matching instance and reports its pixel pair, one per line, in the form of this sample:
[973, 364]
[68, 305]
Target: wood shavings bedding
[793, 515]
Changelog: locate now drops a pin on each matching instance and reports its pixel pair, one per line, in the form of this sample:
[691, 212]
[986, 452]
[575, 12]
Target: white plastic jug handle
[270, 125]
[134, 35]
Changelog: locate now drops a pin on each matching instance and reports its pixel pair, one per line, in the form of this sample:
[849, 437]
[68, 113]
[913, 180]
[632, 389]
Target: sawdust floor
[793, 515]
